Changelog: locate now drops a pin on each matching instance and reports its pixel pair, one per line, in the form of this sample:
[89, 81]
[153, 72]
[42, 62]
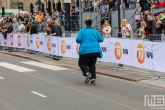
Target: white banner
[122, 51]
[158, 56]
[65, 47]
[75, 48]
[106, 49]
[3, 41]
[28, 41]
[51, 45]
[38, 42]
[141, 54]
[18, 40]
[138, 53]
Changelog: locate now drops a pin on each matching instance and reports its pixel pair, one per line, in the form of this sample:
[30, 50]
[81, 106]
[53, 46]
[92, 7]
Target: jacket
[33, 30]
[57, 31]
[160, 5]
[89, 40]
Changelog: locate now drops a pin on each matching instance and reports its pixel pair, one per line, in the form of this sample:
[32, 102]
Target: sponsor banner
[29, 42]
[122, 51]
[142, 54]
[10, 40]
[38, 42]
[106, 48]
[158, 56]
[66, 47]
[18, 40]
[3, 41]
[75, 48]
[51, 45]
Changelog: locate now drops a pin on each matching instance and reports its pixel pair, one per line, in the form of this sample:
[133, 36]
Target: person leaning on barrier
[7, 29]
[106, 30]
[89, 50]
[56, 30]
[31, 29]
[15, 30]
[157, 27]
[142, 31]
[126, 29]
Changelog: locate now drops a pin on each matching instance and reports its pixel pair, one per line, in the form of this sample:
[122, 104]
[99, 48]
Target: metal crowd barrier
[113, 66]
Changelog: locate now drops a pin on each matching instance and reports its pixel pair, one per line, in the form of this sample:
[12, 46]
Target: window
[20, 6]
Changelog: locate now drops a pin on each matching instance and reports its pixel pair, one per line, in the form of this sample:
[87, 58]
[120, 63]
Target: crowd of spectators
[146, 25]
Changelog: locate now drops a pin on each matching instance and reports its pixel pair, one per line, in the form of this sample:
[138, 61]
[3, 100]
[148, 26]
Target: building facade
[24, 5]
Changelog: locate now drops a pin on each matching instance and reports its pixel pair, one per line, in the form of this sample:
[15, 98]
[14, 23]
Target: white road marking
[34, 92]
[1, 77]
[15, 67]
[45, 66]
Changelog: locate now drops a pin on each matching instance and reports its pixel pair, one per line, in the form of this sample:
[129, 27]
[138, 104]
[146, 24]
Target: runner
[89, 50]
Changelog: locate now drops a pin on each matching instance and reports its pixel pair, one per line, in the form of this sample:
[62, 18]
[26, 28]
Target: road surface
[30, 85]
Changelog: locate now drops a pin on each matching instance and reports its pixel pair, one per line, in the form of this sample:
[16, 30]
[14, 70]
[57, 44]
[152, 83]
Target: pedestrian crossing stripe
[45, 66]
[15, 67]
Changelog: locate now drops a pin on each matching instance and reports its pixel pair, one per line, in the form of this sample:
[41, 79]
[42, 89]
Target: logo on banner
[19, 40]
[118, 50]
[5, 42]
[11, 40]
[38, 42]
[63, 46]
[140, 53]
[28, 41]
[49, 44]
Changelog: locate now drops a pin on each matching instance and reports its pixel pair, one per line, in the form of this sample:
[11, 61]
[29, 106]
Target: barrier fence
[137, 53]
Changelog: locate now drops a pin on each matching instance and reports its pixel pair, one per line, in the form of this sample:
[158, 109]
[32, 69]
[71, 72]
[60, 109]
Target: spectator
[106, 30]
[107, 6]
[77, 17]
[161, 15]
[148, 28]
[1, 19]
[73, 20]
[54, 17]
[39, 19]
[126, 29]
[96, 5]
[31, 29]
[9, 29]
[21, 27]
[115, 7]
[15, 26]
[49, 28]
[132, 4]
[156, 25]
[142, 31]
[26, 24]
[56, 30]
[103, 9]
[138, 15]
[161, 4]
[61, 18]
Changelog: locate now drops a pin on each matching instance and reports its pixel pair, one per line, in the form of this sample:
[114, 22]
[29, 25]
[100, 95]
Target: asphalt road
[29, 85]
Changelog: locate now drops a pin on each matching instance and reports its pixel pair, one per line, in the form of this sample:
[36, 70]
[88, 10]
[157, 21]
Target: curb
[109, 75]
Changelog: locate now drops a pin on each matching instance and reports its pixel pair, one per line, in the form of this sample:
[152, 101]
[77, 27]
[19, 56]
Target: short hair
[88, 21]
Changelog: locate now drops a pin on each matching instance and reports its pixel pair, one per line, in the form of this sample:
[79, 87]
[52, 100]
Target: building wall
[13, 4]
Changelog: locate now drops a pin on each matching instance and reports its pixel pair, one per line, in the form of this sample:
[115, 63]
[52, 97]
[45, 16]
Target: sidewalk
[103, 68]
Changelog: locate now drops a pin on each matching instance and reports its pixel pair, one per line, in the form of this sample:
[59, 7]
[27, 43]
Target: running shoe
[88, 76]
[93, 82]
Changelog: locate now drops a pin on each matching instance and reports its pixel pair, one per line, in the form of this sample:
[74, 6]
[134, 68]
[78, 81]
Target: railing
[88, 9]
[107, 14]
